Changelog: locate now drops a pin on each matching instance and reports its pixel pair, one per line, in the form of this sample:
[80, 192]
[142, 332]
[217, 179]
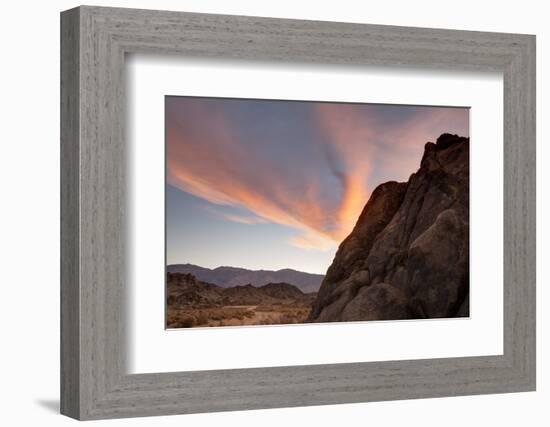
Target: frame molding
[94, 41]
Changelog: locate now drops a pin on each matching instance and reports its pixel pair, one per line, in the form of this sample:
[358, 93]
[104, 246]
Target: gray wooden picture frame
[94, 381]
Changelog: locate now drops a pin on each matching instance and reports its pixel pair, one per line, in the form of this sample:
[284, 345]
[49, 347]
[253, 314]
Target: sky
[267, 184]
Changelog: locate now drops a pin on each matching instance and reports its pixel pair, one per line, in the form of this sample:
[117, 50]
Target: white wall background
[29, 215]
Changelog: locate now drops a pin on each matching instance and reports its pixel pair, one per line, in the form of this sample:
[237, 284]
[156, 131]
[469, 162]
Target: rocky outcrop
[185, 291]
[408, 255]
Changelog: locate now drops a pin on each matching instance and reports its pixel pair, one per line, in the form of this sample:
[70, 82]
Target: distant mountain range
[228, 277]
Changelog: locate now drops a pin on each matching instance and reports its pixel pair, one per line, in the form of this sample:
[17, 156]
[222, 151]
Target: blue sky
[267, 184]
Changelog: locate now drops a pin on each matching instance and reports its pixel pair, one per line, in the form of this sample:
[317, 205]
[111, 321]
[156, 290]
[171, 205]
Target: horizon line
[245, 268]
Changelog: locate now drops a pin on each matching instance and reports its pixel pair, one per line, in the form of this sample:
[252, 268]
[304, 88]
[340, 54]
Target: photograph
[285, 212]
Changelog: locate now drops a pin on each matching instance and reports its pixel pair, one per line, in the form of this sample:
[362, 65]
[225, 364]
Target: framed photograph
[262, 213]
[260, 194]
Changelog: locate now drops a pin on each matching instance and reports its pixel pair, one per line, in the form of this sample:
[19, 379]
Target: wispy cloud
[243, 219]
[210, 155]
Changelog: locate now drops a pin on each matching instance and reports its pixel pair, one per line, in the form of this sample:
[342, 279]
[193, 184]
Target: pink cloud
[210, 162]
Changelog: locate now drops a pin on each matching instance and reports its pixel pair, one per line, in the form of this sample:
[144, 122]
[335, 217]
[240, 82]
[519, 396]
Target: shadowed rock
[407, 256]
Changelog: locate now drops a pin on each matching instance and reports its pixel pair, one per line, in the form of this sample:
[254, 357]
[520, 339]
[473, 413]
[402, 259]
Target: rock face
[408, 255]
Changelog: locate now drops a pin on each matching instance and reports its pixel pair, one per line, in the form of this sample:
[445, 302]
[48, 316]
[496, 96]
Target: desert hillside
[191, 302]
[407, 256]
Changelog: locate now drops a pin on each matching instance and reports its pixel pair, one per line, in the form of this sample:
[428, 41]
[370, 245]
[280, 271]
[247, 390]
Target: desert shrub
[264, 308]
[182, 321]
[218, 314]
[287, 318]
[202, 318]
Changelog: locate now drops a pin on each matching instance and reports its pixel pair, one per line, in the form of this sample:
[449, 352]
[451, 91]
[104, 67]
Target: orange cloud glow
[214, 165]
[228, 175]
